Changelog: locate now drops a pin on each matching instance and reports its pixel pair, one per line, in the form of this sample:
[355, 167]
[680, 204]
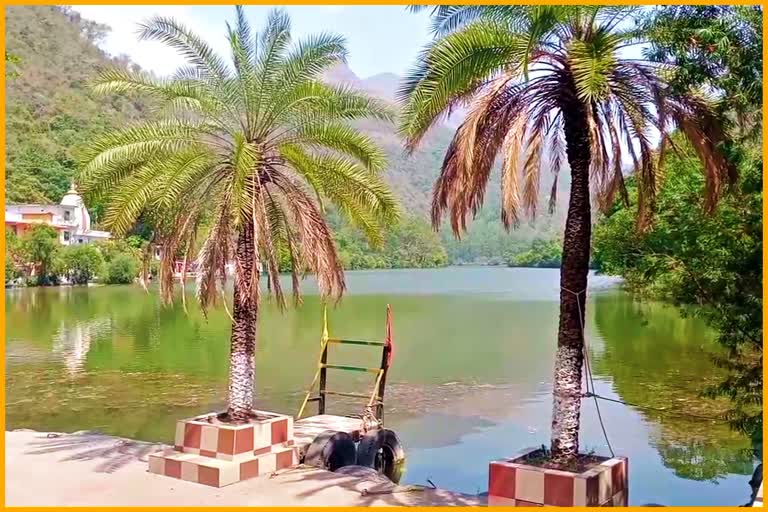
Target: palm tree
[544, 85]
[243, 154]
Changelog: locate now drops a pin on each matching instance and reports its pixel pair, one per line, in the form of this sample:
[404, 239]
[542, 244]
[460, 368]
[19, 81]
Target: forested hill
[52, 53]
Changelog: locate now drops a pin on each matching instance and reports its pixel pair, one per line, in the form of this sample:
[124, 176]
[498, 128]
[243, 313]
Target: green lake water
[470, 382]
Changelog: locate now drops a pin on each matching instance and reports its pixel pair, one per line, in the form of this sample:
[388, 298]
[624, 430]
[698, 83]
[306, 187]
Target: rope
[408, 488]
[587, 366]
[655, 409]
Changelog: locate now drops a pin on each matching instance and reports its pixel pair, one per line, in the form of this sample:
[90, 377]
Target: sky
[380, 38]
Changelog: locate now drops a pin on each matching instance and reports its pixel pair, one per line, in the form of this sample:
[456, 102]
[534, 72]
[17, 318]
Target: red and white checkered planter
[219, 454]
[514, 483]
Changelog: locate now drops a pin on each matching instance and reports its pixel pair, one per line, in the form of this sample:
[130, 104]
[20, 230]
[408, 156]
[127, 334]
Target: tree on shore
[251, 148]
[80, 263]
[546, 85]
[39, 247]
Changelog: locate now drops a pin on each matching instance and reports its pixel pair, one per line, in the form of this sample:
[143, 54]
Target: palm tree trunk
[243, 339]
[573, 282]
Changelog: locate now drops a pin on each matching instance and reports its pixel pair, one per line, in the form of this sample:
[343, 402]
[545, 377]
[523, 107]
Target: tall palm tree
[545, 85]
[246, 152]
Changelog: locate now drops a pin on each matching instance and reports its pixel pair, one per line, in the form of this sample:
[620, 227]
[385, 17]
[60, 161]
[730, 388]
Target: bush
[79, 263]
[122, 269]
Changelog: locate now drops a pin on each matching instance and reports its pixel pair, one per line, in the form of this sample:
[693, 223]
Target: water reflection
[72, 342]
[658, 360]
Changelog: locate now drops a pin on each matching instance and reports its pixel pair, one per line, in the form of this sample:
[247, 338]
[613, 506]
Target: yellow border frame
[341, 2]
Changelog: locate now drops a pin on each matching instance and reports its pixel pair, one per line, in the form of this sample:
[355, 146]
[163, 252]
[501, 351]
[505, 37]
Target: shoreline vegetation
[37, 259]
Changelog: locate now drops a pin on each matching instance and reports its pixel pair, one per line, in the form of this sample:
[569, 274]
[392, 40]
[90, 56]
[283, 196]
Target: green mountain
[52, 53]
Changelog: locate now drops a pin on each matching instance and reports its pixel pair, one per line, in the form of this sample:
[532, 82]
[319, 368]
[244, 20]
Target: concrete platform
[88, 469]
[306, 430]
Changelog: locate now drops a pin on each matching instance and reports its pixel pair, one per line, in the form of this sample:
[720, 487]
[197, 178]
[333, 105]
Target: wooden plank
[357, 342]
[323, 379]
[350, 368]
[351, 395]
[382, 383]
[306, 429]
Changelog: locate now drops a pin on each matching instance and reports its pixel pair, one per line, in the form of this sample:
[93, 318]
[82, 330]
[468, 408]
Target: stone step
[218, 472]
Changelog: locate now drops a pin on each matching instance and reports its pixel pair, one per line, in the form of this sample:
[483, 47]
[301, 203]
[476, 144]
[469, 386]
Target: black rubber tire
[331, 450]
[381, 450]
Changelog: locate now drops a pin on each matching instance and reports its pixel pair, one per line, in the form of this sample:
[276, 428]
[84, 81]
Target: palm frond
[313, 239]
[189, 45]
[213, 257]
[451, 68]
[698, 121]
[343, 139]
[558, 57]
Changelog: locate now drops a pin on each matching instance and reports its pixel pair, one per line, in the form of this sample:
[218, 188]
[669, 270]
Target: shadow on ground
[352, 485]
[93, 446]
[374, 489]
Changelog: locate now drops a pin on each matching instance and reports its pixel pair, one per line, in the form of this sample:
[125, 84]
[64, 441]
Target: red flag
[388, 340]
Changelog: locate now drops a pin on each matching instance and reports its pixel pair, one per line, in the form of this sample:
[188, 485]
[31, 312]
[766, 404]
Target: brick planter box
[218, 454]
[512, 482]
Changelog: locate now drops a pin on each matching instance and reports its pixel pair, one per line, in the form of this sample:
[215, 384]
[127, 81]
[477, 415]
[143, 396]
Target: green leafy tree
[543, 253]
[718, 47]
[13, 261]
[550, 77]
[711, 266]
[114, 247]
[409, 244]
[121, 269]
[39, 247]
[253, 147]
[80, 263]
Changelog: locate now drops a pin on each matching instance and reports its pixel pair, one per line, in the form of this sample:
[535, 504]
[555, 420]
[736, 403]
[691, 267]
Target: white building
[70, 219]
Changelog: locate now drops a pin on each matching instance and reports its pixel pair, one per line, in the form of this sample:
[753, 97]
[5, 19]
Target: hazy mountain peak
[381, 85]
[341, 74]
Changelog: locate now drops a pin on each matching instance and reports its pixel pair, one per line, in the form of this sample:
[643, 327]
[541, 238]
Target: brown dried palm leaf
[313, 238]
[510, 172]
[699, 123]
[532, 166]
[461, 189]
[213, 257]
[278, 218]
[556, 159]
[616, 181]
[599, 161]
[634, 126]
[174, 240]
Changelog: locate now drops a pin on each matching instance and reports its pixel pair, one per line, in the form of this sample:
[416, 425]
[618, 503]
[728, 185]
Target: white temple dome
[81, 216]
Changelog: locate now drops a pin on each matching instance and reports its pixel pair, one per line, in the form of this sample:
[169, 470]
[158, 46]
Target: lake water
[470, 382]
